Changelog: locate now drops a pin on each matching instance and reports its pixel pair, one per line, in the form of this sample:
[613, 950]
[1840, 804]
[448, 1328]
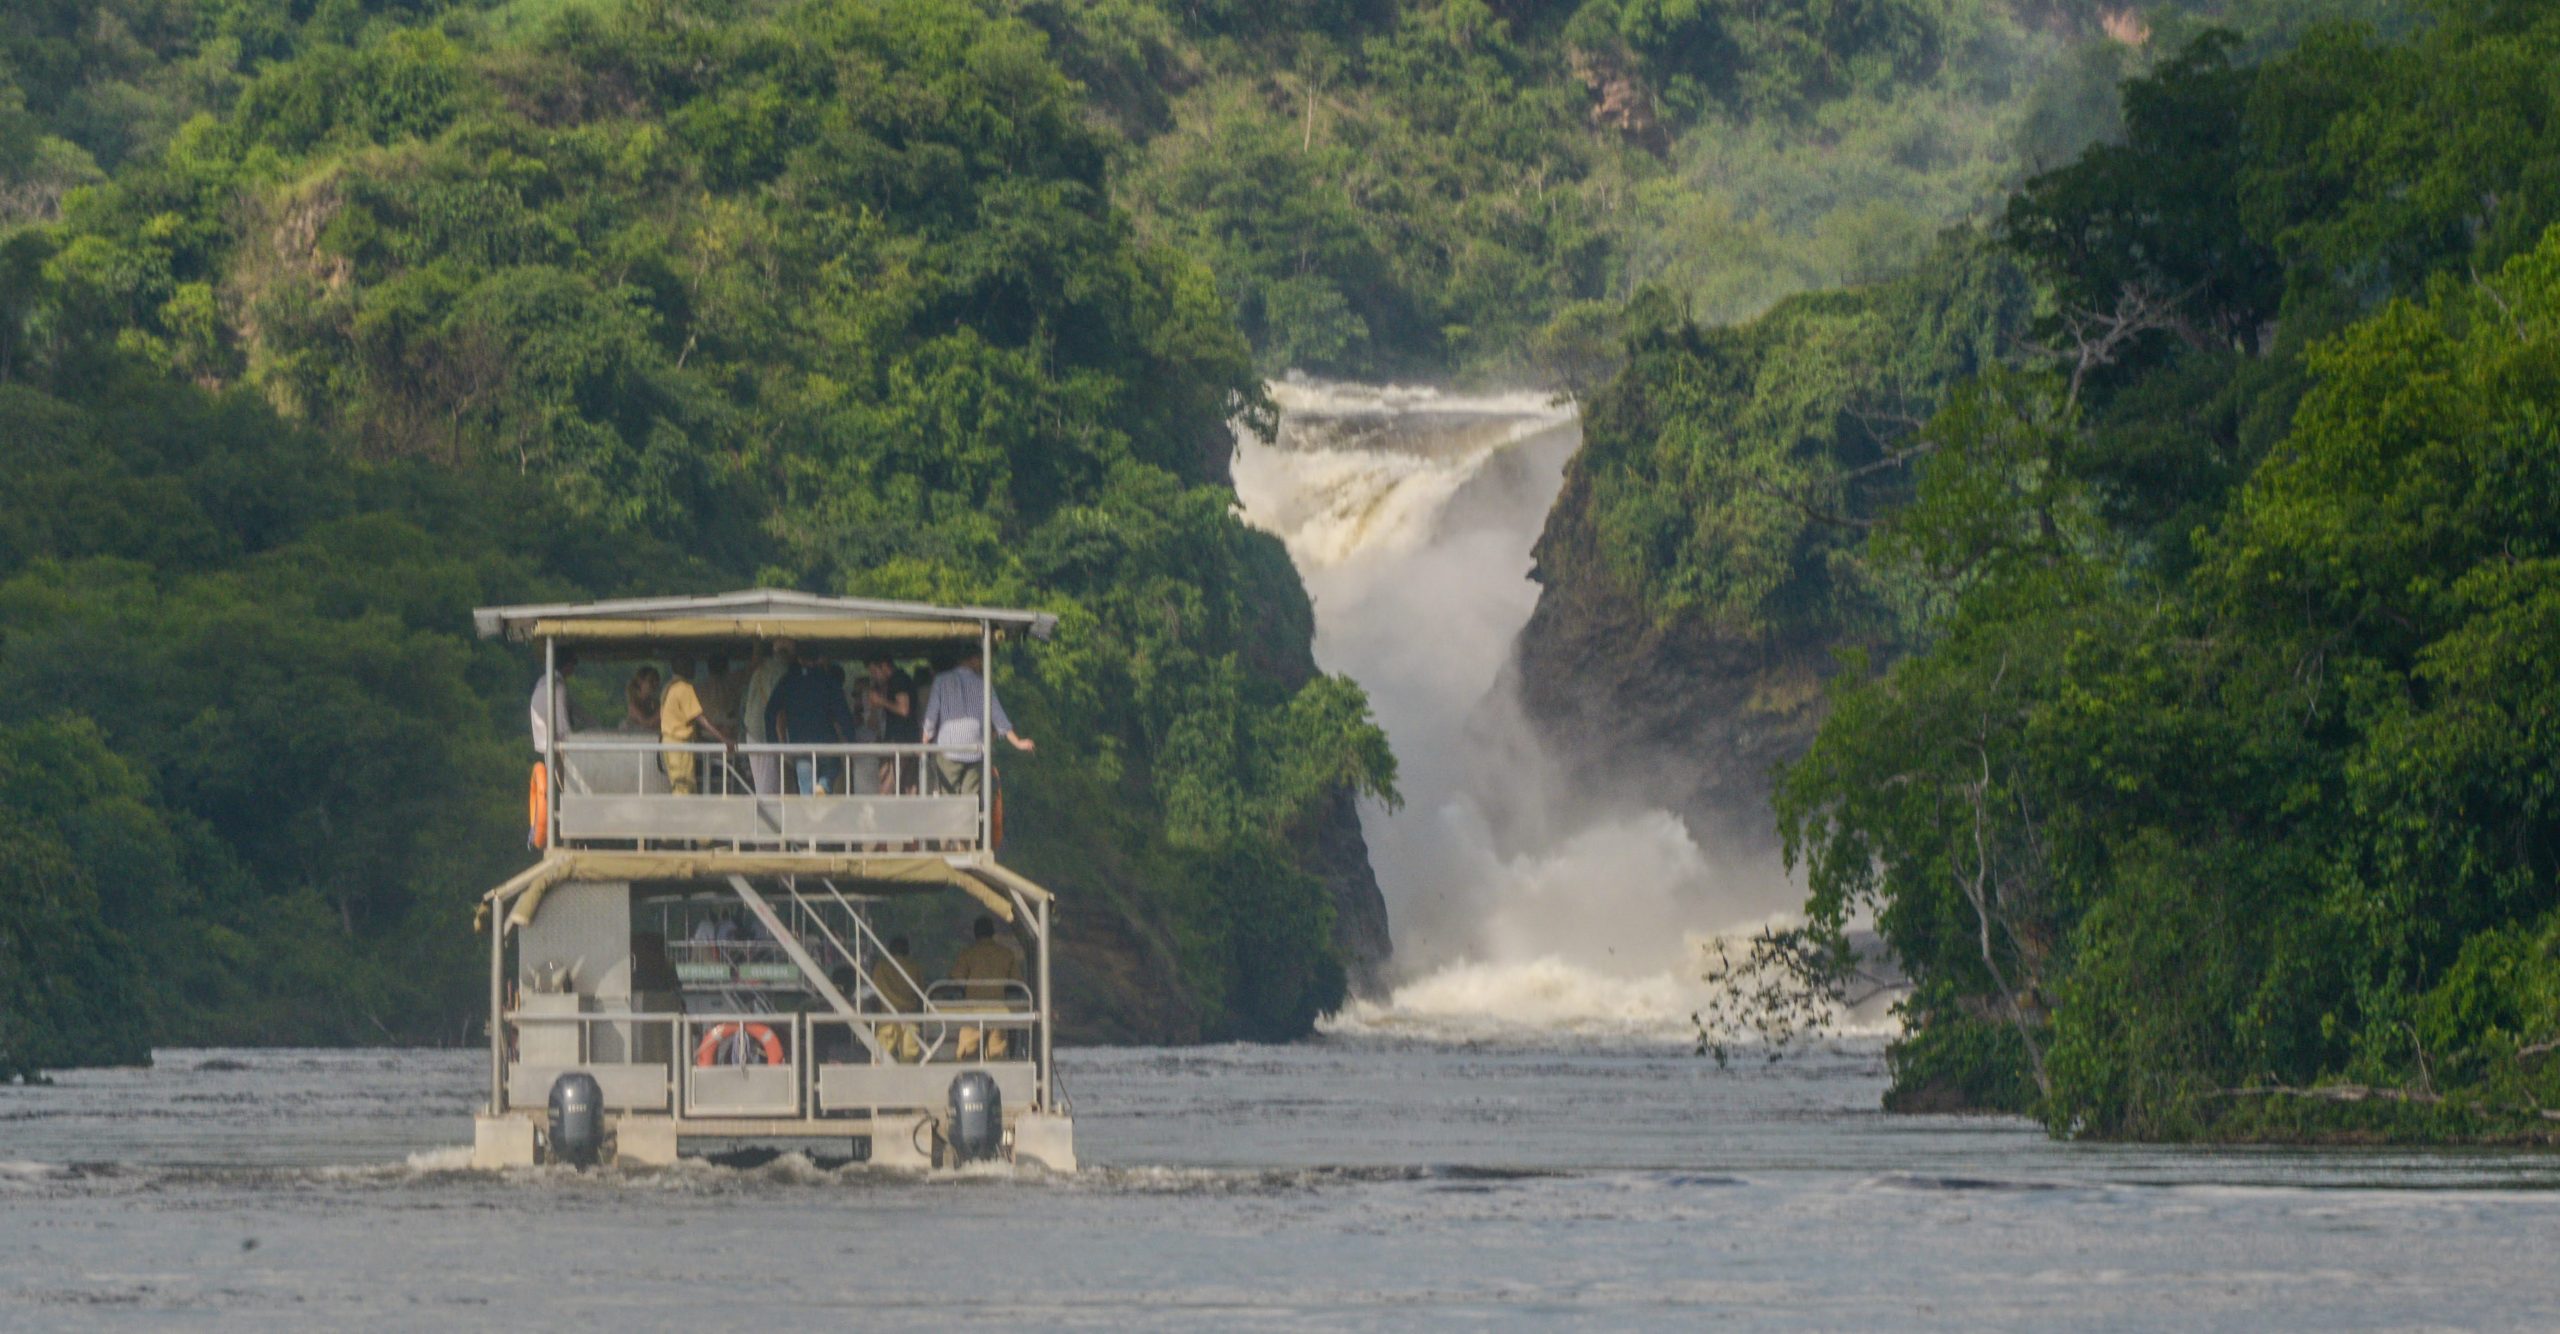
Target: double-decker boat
[703, 964]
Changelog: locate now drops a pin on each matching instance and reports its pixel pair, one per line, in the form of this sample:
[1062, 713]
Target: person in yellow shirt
[894, 978]
[986, 966]
[681, 721]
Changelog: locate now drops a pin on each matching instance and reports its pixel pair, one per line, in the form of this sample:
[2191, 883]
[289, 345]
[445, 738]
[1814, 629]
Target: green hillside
[410, 310]
[2196, 763]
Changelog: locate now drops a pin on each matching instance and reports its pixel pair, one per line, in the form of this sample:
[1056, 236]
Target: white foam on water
[1361, 471]
[1470, 1001]
[453, 1158]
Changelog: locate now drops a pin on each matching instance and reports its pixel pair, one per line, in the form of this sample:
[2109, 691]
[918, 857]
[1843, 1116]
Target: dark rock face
[1118, 972]
[1683, 717]
[1339, 856]
[1116, 983]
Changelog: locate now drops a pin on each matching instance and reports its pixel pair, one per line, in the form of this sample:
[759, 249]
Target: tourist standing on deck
[888, 714]
[550, 697]
[771, 666]
[640, 701]
[954, 716]
[807, 709]
[908, 730]
[682, 722]
[550, 700]
[719, 690]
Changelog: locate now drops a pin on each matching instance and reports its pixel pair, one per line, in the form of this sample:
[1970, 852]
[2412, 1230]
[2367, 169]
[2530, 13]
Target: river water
[1343, 1181]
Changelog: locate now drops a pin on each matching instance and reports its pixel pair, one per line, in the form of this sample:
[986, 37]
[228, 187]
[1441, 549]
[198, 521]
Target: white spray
[1411, 514]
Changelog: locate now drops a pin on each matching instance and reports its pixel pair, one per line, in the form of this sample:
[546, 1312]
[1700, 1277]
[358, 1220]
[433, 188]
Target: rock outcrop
[1340, 857]
[1682, 716]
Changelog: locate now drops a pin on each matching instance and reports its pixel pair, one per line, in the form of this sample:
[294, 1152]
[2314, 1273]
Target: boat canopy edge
[527, 888]
[745, 614]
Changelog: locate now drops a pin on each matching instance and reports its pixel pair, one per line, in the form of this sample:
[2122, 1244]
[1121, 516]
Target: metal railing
[831, 769]
[787, 1087]
[868, 795]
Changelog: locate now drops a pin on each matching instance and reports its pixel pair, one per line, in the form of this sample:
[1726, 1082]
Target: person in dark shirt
[808, 710]
[910, 731]
[889, 709]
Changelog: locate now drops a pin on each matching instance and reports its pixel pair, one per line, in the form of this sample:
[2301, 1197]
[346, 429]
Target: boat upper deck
[630, 788]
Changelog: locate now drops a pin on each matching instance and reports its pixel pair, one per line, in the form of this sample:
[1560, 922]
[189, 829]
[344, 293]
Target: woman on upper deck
[640, 701]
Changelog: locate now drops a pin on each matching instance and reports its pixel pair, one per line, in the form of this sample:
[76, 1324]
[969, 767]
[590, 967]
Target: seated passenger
[986, 966]
[894, 977]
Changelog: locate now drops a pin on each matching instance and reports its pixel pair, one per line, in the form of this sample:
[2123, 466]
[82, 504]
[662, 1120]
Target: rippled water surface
[1329, 1184]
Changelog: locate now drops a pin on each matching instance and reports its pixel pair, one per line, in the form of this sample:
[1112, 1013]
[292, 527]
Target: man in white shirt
[552, 693]
[770, 667]
[954, 715]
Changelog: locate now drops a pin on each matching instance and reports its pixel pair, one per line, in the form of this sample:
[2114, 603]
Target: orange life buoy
[537, 807]
[708, 1053]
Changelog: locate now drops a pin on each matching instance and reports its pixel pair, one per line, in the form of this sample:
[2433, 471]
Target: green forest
[319, 326]
[2186, 532]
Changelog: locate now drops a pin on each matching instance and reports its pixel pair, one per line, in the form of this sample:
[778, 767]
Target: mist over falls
[1517, 898]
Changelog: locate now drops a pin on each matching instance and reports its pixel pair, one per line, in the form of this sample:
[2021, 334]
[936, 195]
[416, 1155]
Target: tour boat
[696, 972]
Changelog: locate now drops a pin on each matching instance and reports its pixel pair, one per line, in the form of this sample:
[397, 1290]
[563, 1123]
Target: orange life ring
[708, 1053]
[537, 807]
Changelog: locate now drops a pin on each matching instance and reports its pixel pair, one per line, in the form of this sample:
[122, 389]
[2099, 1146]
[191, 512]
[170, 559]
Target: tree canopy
[445, 308]
[2215, 799]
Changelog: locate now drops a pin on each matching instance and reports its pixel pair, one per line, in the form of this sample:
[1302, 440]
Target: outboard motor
[577, 1119]
[977, 1117]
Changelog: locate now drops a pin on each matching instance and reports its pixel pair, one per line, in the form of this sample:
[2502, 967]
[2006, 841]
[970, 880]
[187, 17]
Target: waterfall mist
[1516, 900]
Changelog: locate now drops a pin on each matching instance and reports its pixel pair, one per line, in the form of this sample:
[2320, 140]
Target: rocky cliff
[1681, 716]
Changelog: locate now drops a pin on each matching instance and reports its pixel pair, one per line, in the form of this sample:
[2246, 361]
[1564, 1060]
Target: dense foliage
[1480, 186]
[1731, 472]
[423, 307]
[2221, 780]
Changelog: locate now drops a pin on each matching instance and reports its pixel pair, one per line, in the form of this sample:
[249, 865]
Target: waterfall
[1516, 907]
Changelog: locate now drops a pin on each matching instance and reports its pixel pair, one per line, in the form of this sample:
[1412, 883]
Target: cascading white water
[1410, 514]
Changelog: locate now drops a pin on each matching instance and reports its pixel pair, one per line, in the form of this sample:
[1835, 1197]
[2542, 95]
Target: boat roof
[757, 614]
